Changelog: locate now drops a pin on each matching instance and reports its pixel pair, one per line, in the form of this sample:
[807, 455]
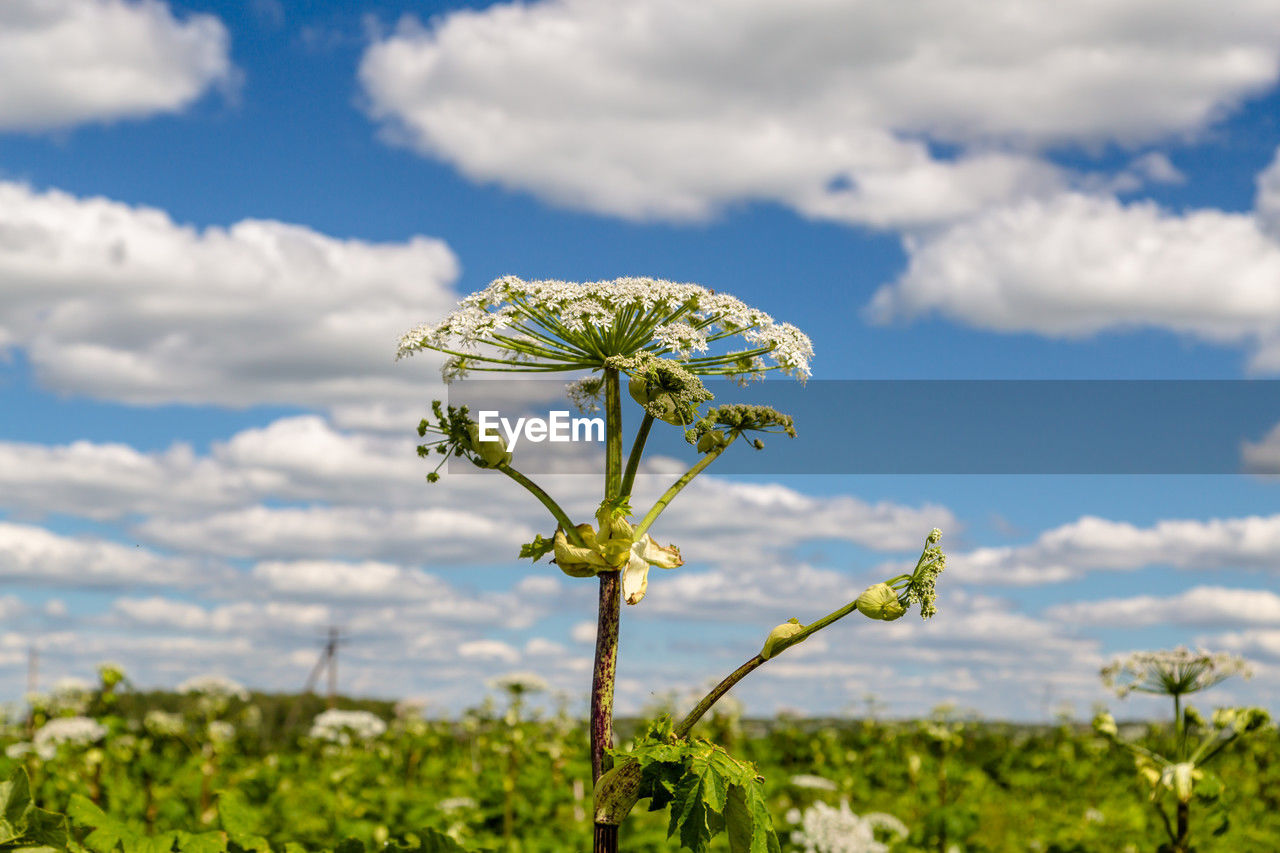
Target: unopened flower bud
[489, 452]
[777, 639]
[662, 404]
[880, 602]
[711, 441]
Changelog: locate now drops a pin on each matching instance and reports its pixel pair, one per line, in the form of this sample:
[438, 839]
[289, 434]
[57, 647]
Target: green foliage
[707, 791]
[537, 549]
[22, 825]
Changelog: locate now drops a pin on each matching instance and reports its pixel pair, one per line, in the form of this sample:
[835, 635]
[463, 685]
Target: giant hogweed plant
[1178, 776]
[662, 338]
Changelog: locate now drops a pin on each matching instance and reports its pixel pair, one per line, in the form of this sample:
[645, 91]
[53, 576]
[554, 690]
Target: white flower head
[519, 683]
[547, 326]
[825, 829]
[214, 685]
[70, 731]
[347, 727]
[1175, 672]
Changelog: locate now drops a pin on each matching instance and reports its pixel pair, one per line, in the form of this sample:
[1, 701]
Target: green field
[503, 778]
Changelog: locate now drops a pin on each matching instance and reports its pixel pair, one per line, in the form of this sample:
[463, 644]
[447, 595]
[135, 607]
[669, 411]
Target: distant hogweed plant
[1179, 774]
[663, 337]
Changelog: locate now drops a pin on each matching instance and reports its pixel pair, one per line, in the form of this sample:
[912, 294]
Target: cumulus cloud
[658, 109]
[1077, 264]
[1201, 605]
[65, 62]
[35, 555]
[442, 535]
[1097, 544]
[121, 303]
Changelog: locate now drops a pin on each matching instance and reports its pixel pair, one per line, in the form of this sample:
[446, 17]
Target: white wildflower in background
[519, 683]
[1171, 673]
[19, 750]
[70, 696]
[547, 326]
[214, 685]
[455, 803]
[818, 783]
[220, 731]
[825, 829]
[71, 731]
[163, 723]
[213, 693]
[347, 727]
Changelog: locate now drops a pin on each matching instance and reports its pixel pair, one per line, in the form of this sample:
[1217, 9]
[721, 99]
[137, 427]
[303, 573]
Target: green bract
[879, 601]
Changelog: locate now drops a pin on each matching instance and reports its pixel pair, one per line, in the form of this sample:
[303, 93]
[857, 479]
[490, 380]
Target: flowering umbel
[1175, 672]
[549, 326]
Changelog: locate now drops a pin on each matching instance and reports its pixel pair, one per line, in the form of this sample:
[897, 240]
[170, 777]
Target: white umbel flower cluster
[560, 325]
[214, 685]
[347, 727]
[71, 731]
[1174, 672]
[826, 829]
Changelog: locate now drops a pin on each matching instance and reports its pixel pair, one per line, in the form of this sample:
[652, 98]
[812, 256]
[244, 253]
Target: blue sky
[215, 219]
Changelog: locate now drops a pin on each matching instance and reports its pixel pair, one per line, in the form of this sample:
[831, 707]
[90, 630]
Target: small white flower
[347, 727]
[519, 683]
[825, 829]
[220, 731]
[215, 686]
[72, 731]
[818, 783]
[163, 723]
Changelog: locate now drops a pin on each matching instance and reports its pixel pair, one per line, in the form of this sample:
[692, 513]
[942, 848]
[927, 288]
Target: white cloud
[658, 109]
[724, 521]
[444, 535]
[1201, 605]
[1096, 544]
[120, 303]
[493, 650]
[34, 555]
[1263, 456]
[65, 62]
[1076, 264]
[1267, 201]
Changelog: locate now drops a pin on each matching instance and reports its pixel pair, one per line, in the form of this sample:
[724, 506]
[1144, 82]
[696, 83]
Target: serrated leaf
[46, 828]
[108, 832]
[203, 842]
[749, 824]
[15, 801]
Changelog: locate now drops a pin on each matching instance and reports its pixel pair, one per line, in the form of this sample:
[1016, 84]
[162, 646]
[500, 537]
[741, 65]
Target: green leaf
[537, 549]
[749, 824]
[46, 828]
[108, 832]
[15, 800]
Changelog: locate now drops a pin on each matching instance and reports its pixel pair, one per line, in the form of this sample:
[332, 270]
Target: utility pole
[328, 661]
[33, 683]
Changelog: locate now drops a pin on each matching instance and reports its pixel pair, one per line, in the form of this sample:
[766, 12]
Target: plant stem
[606, 660]
[1182, 844]
[637, 450]
[714, 696]
[570, 529]
[685, 479]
